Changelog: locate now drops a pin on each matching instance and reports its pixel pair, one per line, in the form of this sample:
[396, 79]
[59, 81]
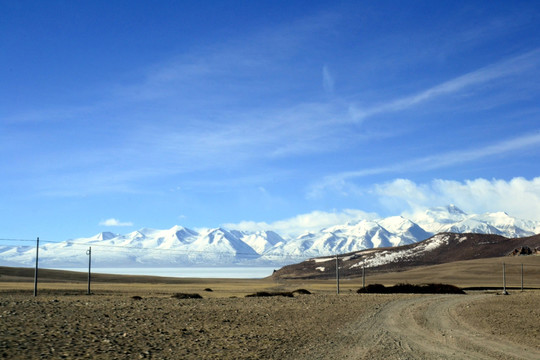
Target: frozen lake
[237, 272]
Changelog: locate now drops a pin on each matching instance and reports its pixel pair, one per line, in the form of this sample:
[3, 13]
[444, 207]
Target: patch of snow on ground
[320, 268]
[365, 252]
[463, 238]
[437, 241]
[347, 258]
[386, 257]
[323, 260]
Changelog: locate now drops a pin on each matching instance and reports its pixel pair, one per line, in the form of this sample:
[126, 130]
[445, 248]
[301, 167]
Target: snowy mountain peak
[444, 213]
[104, 236]
[137, 234]
[182, 233]
[453, 209]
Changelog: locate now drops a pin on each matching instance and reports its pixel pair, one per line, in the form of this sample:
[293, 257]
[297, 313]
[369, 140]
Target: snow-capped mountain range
[179, 246]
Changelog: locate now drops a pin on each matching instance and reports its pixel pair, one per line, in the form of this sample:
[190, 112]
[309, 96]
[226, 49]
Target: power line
[21, 240]
[177, 251]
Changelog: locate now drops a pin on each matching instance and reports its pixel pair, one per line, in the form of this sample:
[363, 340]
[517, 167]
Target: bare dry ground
[62, 322]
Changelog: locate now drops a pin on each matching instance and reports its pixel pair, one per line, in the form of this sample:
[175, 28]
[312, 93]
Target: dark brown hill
[439, 249]
[16, 274]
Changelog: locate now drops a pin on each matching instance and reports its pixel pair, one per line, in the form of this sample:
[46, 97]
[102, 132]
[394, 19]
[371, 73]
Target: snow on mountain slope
[388, 256]
[352, 237]
[221, 243]
[434, 220]
[406, 232]
[509, 226]
[334, 240]
[260, 241]
[471, 225]
[180, 246]
[453, 219]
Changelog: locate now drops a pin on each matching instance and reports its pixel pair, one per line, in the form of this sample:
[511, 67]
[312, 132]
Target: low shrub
[373, 289]
[302, 292]
[187, 296]
[266, 294]
[411, 289]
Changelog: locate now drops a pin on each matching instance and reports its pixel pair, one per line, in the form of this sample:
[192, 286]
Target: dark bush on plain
[302, 292]
[373, 289]
[411, 289]
[187, 296]
[266, 294]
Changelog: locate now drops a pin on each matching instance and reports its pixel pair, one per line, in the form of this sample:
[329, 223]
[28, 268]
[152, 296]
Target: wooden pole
[363, 277]
[36, 271]
[521, 277]
[337, 274]
[504, 280]
[89, 253]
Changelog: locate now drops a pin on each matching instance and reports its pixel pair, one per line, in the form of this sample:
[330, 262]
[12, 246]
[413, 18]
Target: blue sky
[120, 115]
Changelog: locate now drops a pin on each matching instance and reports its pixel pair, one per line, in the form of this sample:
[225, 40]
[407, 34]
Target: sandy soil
[318, 326]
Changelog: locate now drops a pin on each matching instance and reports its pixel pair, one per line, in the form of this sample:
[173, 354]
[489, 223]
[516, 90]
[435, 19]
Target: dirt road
[430, 328]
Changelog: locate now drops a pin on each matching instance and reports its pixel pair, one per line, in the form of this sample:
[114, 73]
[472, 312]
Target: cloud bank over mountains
[518, 196]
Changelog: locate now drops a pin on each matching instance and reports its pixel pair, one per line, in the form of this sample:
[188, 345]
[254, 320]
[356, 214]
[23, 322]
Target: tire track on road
[428, 327]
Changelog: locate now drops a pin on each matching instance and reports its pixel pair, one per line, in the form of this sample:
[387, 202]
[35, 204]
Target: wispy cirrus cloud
[505, 68]
[165, 128]
[153, 151]
[340, 183]
[328, 80]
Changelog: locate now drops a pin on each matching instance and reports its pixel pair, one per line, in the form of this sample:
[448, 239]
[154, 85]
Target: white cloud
[115, 222]
[519, 197]
[313, 221]
[338, 183]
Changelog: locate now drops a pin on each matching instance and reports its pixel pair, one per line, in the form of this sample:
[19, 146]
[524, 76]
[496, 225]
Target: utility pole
[363, 276]
[89, 253]
[36, 271]
[504, 280]
[337, 274]
[521, 277]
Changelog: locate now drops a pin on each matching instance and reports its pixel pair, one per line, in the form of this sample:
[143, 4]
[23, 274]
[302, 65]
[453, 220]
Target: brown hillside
[439, 249]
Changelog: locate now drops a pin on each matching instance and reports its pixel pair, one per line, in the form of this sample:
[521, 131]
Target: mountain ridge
[181, 246]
